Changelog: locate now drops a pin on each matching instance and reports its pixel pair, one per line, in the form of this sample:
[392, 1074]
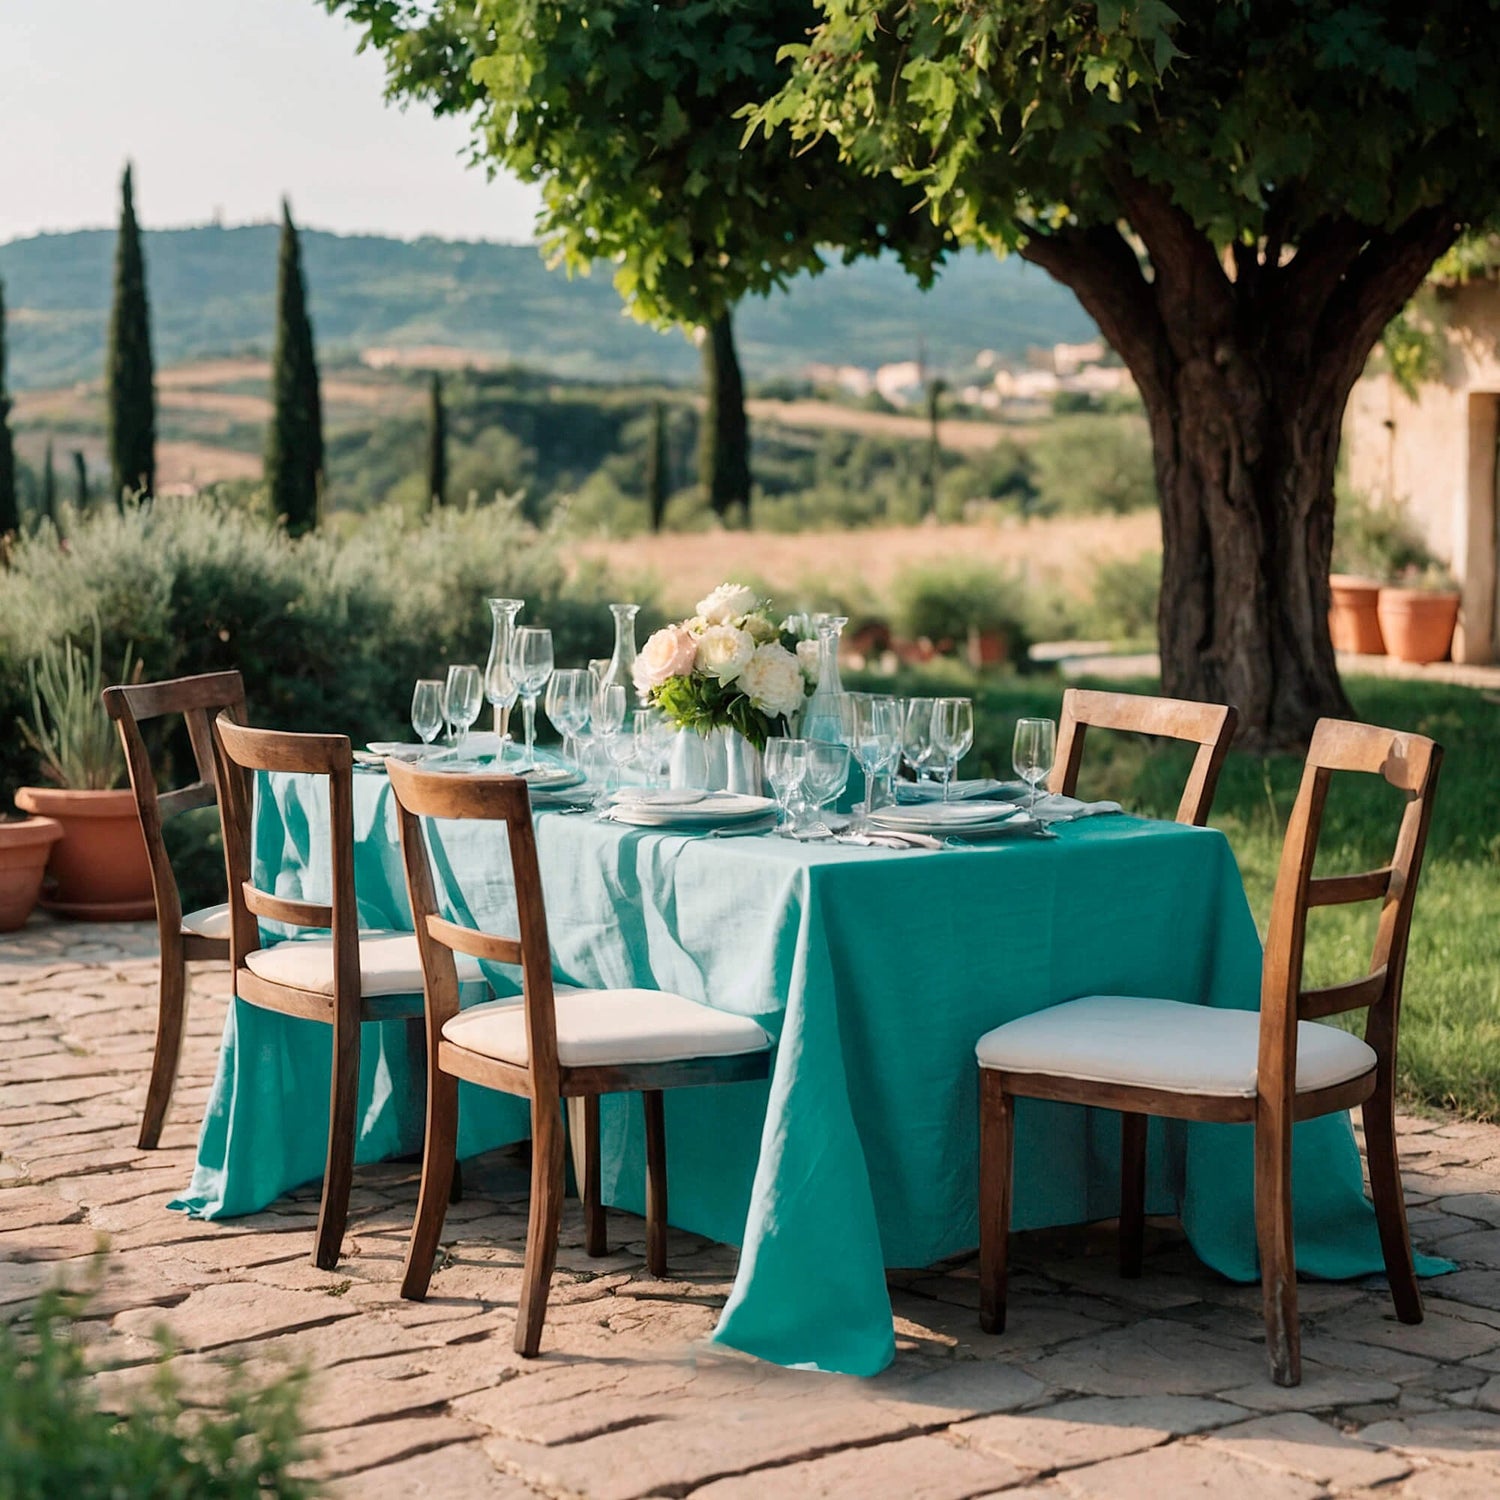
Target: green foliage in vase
[1242, 195]
[130, 378]
[294, 442]
[57, 1438]
[701, 704]
[69, 729]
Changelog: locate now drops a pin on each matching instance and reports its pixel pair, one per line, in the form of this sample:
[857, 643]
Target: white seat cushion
[1164, 1044]
[208, 921]
[389, 964]
[603, 1027]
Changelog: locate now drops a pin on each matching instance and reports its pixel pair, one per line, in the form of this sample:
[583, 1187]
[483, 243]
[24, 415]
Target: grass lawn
[1450, 1032]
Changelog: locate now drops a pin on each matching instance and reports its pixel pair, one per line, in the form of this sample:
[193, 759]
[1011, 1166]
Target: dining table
[874, 970]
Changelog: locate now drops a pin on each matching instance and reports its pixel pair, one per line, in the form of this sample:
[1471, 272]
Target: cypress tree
[437, 445]
[10, 507]
[294, 446]
[724, 446]
[80, 481]
[658, 466]
[49, 487]
[129, 374]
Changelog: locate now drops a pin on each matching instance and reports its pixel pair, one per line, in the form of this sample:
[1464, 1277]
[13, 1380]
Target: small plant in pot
[99, 869]
[1418, 614]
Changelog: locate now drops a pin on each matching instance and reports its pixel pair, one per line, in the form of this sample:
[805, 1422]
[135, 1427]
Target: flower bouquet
[729, 666]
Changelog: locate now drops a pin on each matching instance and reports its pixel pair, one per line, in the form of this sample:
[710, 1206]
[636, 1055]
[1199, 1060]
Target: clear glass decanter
[621, 668]
[820, 716]
[499, 685]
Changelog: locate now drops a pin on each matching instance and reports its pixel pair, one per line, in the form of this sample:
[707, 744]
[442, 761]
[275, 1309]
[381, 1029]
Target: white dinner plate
[716, 810]
[925, 816]
[658, 796]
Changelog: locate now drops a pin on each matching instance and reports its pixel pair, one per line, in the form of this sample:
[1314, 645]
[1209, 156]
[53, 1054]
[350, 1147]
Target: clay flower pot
[1417, 623]
[1353, 616]
[25, 844]
[100, 864]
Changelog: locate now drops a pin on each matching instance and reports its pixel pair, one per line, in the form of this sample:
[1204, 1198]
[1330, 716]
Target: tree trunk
[1244, 366]
[724, 446]
[658, 466]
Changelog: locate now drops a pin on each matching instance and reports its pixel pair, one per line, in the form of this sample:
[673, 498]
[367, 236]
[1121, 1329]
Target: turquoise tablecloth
[876, 971]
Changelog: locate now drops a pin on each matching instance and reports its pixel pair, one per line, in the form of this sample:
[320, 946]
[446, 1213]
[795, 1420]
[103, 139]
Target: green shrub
[57, 1440]
[944, 602]
[1087, 464]
[1125, 596]
[1377, 541]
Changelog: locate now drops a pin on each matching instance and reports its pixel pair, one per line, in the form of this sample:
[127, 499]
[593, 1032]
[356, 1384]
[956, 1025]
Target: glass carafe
[497, 685]
[820, 716]
[621, 668]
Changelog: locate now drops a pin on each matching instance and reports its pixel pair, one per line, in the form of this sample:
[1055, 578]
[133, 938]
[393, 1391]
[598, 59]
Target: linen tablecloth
[875, 971]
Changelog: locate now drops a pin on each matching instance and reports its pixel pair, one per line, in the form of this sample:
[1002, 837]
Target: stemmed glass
[501, 688]
[569, 701]
[531, 666]
[952, 735]
[608, 720]
[461, 699]
[916, 735]
[427, 709]
[652, 732]
[871, 725]
[1033, 752]
[786, 766]
[825, 776]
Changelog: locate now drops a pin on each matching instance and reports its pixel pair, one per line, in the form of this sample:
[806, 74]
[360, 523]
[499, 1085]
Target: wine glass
[916, 735]
[427, 709]
[531, 666]
[462, 695]
[569, 701]
[825, 776]
[786, 765]
[652, 732]
[501, 689]
[952, 735]
[599, 667]
[871, 724]
[1033, 752]
[608, 720]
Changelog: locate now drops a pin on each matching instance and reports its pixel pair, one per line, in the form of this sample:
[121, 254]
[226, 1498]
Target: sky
[223, 106]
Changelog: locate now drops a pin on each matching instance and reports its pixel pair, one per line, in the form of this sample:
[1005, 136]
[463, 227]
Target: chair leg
[1273, 1233]
[595, 1236]
[1132, 1193]
[996, 1148]
[656, 1182]
[456, 1187]
[439, 1176]
[338, 1174]
[171, 1020]
[1390, 1205]
[547, 1187]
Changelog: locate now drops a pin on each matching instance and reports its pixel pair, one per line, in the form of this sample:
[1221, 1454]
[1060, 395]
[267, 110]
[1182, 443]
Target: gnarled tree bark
[1244, 365]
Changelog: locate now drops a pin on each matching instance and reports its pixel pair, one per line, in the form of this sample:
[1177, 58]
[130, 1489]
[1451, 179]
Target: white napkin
[1054, 807]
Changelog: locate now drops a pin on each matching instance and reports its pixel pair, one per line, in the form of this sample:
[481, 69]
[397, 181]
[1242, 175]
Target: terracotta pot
[99, 866]
[1353, 617]
[25, 844]
[1417, 624]
[987, 648]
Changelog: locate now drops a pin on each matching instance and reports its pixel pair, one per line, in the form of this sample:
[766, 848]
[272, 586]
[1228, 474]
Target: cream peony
[727, 603]
[723, 652]
[669, 652]
[807, 655]
[772, 680]
[761, 628]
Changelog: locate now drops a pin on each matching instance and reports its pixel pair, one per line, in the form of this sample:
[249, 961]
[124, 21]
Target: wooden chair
[1210, 726]
[182, 936]
[1191, 1062]
[556, 1044]
[343, 979]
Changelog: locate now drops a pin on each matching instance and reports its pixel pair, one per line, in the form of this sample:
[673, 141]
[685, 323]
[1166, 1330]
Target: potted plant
[25, 844]
[1353, 617]
[99, 866]
[1418, 615]
[964, 607]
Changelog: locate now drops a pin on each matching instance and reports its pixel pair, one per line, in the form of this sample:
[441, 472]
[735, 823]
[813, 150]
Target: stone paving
[1101, 1390]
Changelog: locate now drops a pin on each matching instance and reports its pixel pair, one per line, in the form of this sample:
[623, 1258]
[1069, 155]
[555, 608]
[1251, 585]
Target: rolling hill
[211, 294]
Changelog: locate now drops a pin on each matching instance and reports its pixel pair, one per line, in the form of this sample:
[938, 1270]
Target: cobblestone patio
[1101, 1388]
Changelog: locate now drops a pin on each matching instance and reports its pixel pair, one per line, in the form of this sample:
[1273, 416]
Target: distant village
[993, 383]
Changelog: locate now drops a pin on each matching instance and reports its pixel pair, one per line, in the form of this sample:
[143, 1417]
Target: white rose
[761, 629]
[773, 681]
[723, 652]
[730, 601]
[807, 655]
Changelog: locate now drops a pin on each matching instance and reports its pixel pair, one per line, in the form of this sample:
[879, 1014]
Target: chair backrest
[498, 799]
[241, 752]
[1410, 763]
[199, 700]
[1210, 726]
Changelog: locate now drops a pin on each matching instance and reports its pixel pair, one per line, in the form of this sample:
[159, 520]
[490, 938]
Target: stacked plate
[644, 807]
[985, 788]
[975, 818]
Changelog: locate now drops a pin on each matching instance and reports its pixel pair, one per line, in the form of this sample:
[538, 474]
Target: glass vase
[498, 687]
[820, 715]
[621, 668]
